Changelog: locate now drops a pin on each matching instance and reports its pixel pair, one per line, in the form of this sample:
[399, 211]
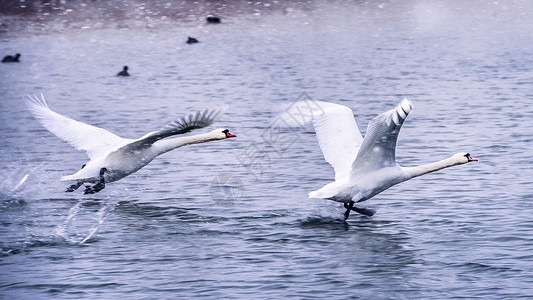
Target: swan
[364, 167]
[111, 157]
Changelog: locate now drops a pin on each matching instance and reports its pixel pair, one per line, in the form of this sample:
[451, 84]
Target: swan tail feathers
[68, 178]
[329, 191]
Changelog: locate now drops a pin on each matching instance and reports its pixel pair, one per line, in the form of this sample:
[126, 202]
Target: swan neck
[432, 167]
[166, 145]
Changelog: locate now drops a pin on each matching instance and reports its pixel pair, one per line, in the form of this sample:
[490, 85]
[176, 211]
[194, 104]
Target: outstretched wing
[337, 133]
[199, 119]
[182, 125]
[94, 140]
[339, 137]
[379, 145]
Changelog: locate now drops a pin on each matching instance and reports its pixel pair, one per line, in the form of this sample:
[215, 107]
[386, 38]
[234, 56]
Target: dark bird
[124, 72]
[9, 58]
[213, 20]
[192, 40]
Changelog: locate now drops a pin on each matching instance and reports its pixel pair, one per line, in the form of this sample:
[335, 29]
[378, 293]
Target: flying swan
[364, 167]
[111, 157]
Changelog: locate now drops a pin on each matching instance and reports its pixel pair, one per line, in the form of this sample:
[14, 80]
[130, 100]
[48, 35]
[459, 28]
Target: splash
[21, 182]
[67, 230]
[16, 177]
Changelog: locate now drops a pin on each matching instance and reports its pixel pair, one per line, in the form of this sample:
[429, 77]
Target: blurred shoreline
[41, 16]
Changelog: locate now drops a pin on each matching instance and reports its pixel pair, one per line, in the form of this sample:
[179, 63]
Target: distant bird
[192, 40]
[124, 72]
[364, 167]
[10, 59]
[213, 20]
[111, 157]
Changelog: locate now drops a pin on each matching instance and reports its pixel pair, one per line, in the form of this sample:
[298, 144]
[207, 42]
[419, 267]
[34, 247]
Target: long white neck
[166, 145]
[411, 172]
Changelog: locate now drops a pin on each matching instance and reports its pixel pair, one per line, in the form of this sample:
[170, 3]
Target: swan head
[463, 158]
[221, 133]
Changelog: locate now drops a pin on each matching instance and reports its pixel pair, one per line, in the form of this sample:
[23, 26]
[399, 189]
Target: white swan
[112, 157]
[363, 167]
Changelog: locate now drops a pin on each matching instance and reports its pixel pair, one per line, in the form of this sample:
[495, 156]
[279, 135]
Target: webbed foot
[74, 187]
[99, 186]
[95, 188]
[349, 207]
[369, 212]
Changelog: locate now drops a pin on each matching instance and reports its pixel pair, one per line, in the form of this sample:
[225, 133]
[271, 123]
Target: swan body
[111, 157]
[364, 167]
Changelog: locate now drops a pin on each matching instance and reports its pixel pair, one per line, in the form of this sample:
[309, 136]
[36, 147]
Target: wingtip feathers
[193, 120]
[401, 111]
[33, 102]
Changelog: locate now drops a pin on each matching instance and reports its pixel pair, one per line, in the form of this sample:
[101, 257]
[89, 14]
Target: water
[172, 231]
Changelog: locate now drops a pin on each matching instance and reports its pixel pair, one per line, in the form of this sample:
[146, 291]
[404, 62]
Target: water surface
[168, 232]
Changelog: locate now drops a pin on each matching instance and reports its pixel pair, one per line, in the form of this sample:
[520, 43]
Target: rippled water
[172, 230]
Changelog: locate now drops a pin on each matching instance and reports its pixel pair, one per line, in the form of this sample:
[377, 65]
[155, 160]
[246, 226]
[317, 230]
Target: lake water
[231, 219]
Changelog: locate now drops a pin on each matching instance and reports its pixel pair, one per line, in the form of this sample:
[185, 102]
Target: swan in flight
[364, 167]
[111, 157]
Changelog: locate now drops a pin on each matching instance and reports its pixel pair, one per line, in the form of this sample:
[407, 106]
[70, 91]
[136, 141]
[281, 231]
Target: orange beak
[472, 159]
[228, 135]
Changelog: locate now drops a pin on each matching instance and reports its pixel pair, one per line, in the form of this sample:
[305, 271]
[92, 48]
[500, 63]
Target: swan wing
[379, 145]
[182, 125]
[94, 140]
[199, 119]
[336, 131]
[339, 138]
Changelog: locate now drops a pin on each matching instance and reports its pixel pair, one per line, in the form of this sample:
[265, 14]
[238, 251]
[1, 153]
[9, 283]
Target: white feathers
[379, 145]
[94, 140]
[337, 133]
[119, 156]
[341, 141]
[374, 168]
[360, 164]
[400, 112]
[338, 136]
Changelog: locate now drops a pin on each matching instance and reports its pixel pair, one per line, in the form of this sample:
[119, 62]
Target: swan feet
[364, 211]
[97, 187]
[74, 187]
[349, 207]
